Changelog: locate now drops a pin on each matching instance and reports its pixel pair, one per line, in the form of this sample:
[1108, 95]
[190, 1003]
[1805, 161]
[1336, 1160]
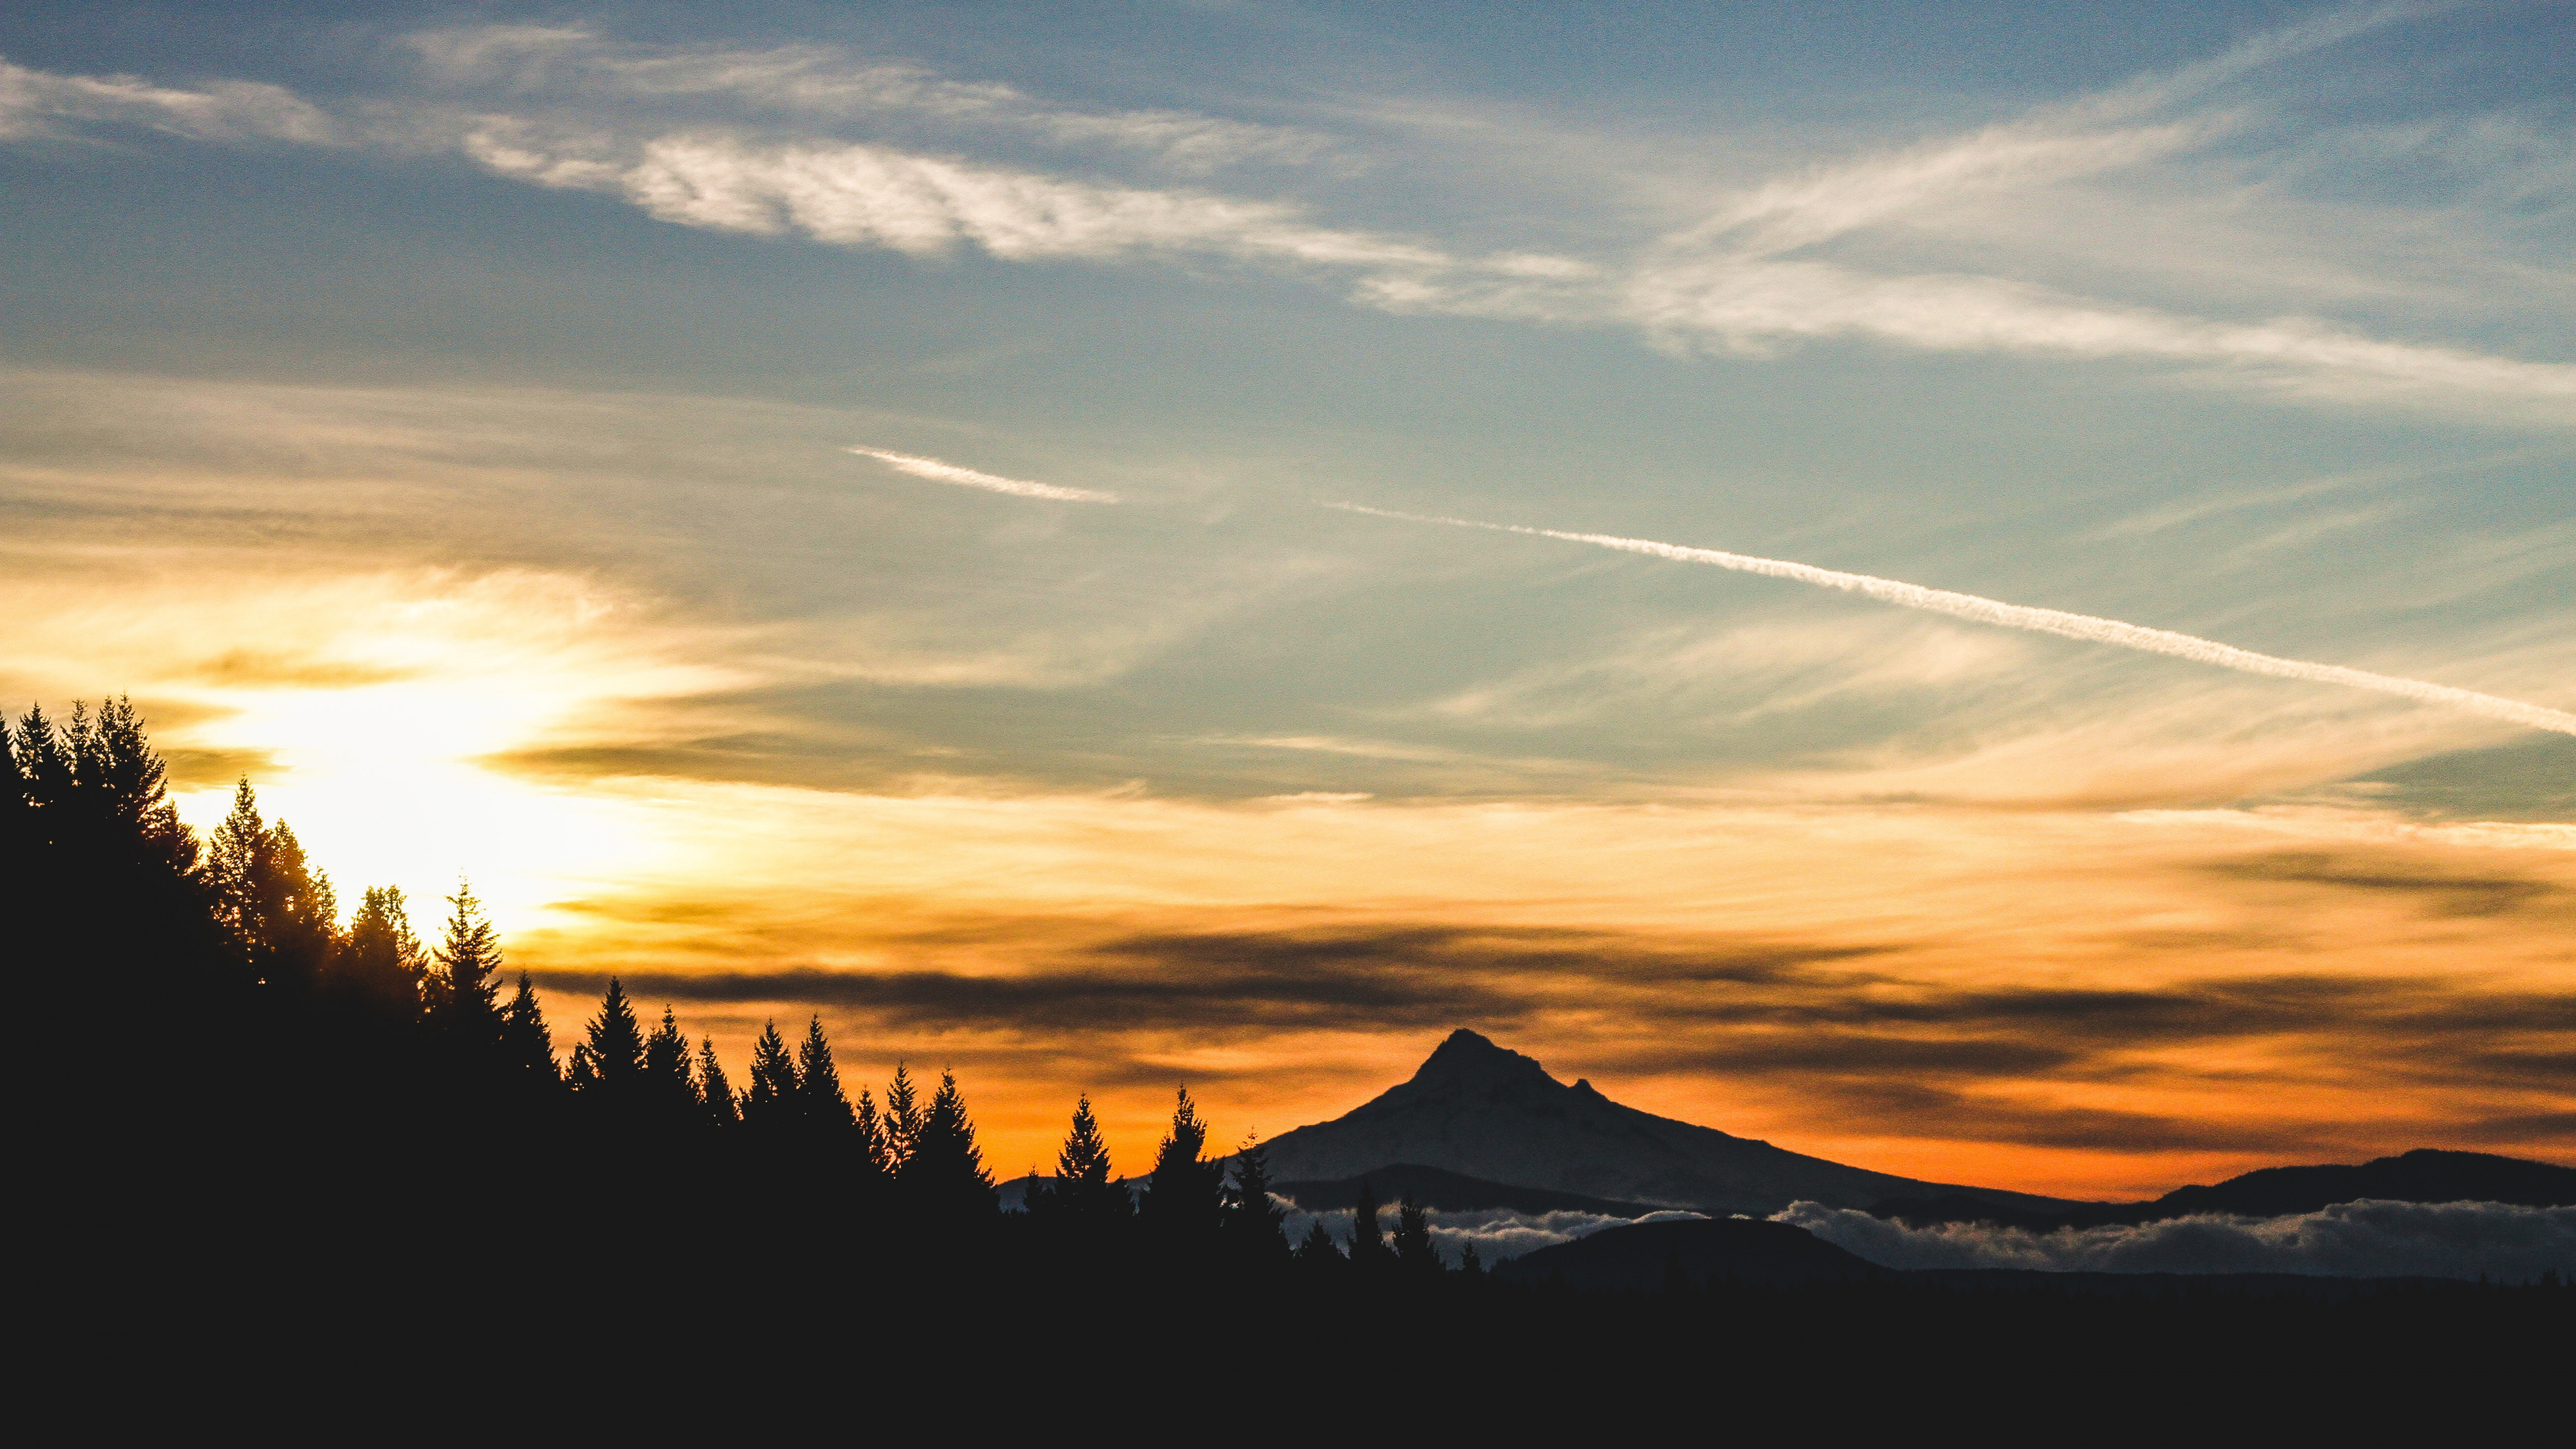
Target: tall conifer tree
[672, 1095]
[527, 1046]
[715, 1091]
[1368, 1240]
[1083, 1190]
[380, 963]
[1252, 1218]
[868, 1138]
[769, 1103]
[820, 1103]
[1414, 1249]
[609, 1064]
[461, 990]
[902, 1120]
[1185, 1194]
[944, 1175]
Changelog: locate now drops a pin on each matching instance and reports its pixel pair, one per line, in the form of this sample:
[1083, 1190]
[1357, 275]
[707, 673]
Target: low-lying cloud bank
[2367, 1239]
[1495, 1233]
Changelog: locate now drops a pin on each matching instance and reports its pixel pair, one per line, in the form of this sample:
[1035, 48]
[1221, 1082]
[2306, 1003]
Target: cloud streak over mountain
[2043, 621]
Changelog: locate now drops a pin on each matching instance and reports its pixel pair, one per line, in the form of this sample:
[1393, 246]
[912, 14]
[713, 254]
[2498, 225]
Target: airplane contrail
[2045, 621]
[939, 472]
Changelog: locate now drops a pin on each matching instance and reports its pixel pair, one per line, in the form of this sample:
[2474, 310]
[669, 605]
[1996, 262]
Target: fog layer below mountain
[2371, 1238]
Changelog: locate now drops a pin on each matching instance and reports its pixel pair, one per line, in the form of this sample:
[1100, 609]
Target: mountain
[1647, 1257]
[1448, 1192]
[1480, 1110]
[2424, 1175]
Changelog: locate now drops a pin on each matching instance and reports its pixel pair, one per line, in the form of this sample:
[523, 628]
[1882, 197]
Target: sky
[948, 517]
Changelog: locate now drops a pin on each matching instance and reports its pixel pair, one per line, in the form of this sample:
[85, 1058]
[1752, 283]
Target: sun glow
[369, 718]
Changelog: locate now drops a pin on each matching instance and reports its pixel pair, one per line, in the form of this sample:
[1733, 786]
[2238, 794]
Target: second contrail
[2044, 621]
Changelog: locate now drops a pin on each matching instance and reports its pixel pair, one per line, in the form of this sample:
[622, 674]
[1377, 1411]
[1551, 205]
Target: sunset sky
[820, 508]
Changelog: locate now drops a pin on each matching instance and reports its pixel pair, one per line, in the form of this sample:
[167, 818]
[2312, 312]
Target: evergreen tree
[460, 991]
[1185, 1193]
[671, 1095]
[17, 810]
[820, 1103]
[527, 1047]
[868, 1137]
[45, 774]
[380, 964]
[715, 1092]
[1414, 1249]
[1368, 1240]
[609, 1064]
[1252, 1217]
[902, 1121]
[117, 766]
[282, 916]
[1317, 1246]
[769, 1103]
[1469, 1264]
[1084, 1190]
[943, 1177]
[87, 831]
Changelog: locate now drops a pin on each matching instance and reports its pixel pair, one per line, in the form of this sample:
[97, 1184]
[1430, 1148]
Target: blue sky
[500, 366]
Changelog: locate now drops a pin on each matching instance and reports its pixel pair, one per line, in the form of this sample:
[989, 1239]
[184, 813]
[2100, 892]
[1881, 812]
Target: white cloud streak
[2086, 627]
[939, 472]
[34, 102]
[817, 81]
[2365, 1239]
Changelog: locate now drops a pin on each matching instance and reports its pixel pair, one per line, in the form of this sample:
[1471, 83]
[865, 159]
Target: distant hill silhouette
[2424, 1175]
[1480, 1110]
[1448, 1192]
[1649, 1256]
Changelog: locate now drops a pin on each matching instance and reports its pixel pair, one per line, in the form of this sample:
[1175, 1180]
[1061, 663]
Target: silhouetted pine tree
[670, 1094]
[902, 1121]
[820, 1104]
[608, 1067]
[1317, 1246]
[380, 963]
[458, 995]
[45, 771]
[943, 1177]
[769, 1103]
[1368, 1240]
[1185, 1193]
[282, 916]
[527, 1046]
[1469, 1264]
[715, 1092]
[1252, 1219]
[117, 767]
[1414, 1249]
[88, 832]
[17, 812]
[1084, 1191]
[868, 1137]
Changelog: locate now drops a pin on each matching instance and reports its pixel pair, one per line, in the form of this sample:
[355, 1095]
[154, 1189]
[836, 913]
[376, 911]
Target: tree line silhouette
[244, 928]
[257, 1125]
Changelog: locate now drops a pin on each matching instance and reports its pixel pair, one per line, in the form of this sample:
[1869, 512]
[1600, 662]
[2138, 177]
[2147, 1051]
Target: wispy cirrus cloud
[1867, 249]
[552, 63]
[35, 102]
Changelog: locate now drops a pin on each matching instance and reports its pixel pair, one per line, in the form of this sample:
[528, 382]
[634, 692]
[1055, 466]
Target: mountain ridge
[1485, 1111]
